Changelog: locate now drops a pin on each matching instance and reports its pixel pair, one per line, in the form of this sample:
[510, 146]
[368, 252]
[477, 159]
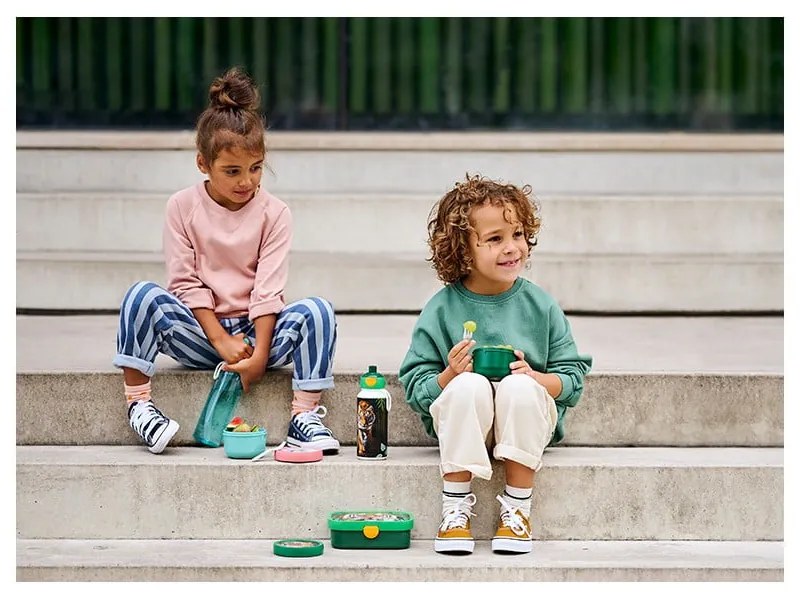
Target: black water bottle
[373, 404]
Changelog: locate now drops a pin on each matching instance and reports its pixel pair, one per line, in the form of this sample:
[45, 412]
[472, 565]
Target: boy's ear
[201, 164]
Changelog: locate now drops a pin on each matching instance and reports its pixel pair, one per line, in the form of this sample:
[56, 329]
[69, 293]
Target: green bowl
[492, 362]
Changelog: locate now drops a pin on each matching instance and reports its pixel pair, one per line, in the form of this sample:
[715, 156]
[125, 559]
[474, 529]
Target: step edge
[465, 141]
[559, 457]
[406, 257]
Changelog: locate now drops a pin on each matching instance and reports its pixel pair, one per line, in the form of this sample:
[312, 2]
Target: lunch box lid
[297, 548]
[376, 520]
[297, 455]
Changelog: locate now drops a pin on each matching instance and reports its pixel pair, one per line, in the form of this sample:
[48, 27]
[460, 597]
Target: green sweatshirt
[525, 316]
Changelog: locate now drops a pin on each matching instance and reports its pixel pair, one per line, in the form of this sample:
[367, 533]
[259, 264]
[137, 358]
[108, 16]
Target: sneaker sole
[169, 432]
[509, 545]
[329, 444]
[454, 545]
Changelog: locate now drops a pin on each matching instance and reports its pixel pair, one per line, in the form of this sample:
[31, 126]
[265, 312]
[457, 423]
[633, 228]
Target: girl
[480, 235]
[226, 245]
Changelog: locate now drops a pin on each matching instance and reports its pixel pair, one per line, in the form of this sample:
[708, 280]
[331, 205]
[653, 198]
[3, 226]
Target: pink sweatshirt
[234, 262]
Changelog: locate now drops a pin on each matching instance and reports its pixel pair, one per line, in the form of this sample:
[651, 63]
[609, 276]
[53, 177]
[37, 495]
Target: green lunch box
[370, 529]
[492, 362]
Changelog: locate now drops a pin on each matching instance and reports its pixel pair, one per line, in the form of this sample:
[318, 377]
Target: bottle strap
[212, 401]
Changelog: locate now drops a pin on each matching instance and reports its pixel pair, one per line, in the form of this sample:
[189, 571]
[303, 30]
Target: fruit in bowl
[239, 425]
[242, 440]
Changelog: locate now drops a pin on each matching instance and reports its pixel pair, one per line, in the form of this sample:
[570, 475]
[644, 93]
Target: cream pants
[523, 413]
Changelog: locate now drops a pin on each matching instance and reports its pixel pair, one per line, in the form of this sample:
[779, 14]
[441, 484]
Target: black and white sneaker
[306, 431]
[150, 424]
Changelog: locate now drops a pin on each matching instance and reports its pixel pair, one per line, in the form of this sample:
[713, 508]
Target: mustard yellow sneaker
[455, 532]
[513, 532]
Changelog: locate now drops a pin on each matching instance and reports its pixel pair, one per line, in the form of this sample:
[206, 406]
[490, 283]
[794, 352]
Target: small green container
[492, 362]
[297, 548]
[244, 444]
[370, 529]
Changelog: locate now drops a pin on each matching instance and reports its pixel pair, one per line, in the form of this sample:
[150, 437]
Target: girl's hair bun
[233, 117]
[234, 90]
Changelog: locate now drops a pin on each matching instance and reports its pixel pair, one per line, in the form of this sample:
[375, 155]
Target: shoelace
[311, 420]
[510, 518]
[143, 416]
[268, 451]
[456, 515]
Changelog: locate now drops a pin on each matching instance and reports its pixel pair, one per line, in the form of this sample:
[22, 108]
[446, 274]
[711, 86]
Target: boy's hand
[459, 359]
[521, 367]
[250, 370]
[549, 381]
[232, 348]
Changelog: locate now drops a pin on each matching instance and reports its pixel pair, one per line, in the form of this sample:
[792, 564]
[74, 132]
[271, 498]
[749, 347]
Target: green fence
[694, 74]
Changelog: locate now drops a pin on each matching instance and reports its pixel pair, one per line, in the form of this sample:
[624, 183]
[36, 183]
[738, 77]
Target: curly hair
[232, 118]
[449, 226]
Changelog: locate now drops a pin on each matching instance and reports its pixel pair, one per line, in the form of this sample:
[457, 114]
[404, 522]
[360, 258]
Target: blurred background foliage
[613, 74]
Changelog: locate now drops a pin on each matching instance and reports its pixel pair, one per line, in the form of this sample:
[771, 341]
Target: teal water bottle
[221, 403]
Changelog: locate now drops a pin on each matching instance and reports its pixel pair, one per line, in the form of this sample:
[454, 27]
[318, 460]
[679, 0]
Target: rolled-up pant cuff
[143, 366]
[312, 385]
[503, 452]
[477, 470]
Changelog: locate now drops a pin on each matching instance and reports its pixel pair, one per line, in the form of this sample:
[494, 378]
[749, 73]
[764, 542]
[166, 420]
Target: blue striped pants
[152, 320]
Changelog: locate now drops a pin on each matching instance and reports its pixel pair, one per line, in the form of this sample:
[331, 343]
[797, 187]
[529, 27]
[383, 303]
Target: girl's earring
[528, 265]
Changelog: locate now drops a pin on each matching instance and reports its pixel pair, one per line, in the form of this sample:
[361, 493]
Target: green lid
[297, 548]
[372, 380]
[356, 520]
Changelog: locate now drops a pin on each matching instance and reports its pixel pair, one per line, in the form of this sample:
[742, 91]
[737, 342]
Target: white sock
[453, 491]
[519, 498]
[456, 488]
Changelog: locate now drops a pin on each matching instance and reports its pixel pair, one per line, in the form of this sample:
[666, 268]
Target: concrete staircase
[670, 472]
[631, 223]
[672, 468]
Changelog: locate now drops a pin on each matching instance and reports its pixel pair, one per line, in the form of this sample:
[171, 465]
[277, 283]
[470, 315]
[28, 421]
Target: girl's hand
[521, 367]
[232, 348]
[459, 359]
[250, 370]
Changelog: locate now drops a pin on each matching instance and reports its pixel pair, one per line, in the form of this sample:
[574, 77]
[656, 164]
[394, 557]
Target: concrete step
[452, 141]
[666, 345]
[425, 168]
[655, 381]
[689, 190]
[390, 281]
[616, 409]
[572, 225]
[253, 560]
[96, 492]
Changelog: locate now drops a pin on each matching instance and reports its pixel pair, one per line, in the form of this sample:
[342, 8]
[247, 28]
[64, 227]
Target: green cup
[492, 362]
